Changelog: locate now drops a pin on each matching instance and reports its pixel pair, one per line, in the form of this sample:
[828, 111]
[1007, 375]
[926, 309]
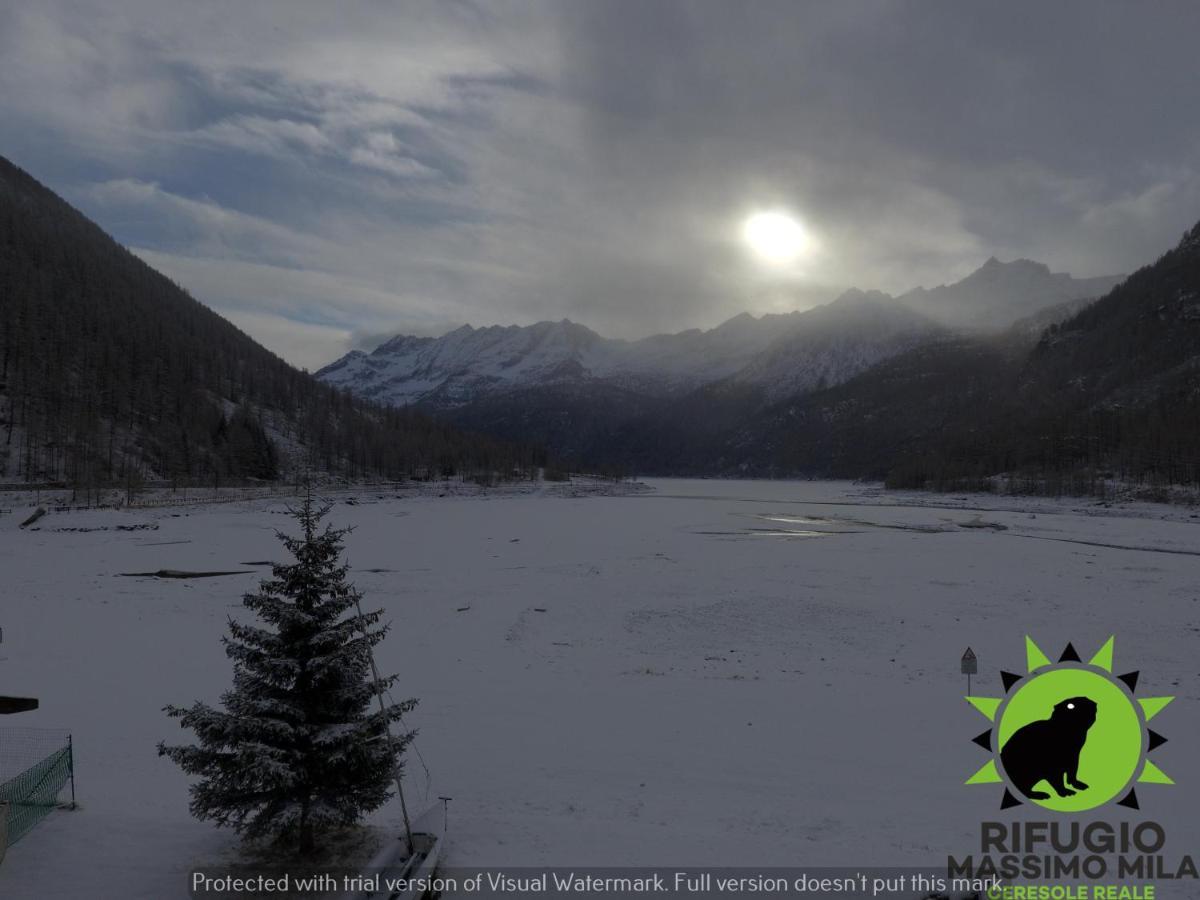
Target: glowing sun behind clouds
[776, 237]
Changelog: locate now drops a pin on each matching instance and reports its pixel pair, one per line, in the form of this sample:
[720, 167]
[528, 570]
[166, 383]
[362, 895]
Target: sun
[776, 237]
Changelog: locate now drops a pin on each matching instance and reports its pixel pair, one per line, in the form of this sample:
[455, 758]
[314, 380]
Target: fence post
[71, 765]
[3, 829]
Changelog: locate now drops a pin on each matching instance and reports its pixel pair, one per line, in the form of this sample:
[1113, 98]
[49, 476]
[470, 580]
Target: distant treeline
[111, 373]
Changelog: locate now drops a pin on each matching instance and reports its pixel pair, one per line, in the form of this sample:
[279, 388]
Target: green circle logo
[1069, 736]
[1070, 740]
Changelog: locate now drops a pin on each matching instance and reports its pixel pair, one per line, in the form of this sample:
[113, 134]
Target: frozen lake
[724, 673]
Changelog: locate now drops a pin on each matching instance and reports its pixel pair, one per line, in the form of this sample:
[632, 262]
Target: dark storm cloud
[1079, 84]
[326, 173]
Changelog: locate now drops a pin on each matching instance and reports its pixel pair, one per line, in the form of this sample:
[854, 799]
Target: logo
[1069, 736]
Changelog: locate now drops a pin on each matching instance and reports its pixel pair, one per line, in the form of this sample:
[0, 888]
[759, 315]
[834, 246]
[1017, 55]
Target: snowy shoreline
[15, 498]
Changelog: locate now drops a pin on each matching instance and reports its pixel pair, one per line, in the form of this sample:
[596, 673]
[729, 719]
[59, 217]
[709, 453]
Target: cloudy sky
[326, 173]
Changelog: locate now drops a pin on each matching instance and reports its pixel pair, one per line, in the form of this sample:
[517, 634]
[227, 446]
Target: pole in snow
[71, 763]
[391, 739]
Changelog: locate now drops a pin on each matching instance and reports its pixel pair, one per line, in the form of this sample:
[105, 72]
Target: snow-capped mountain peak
[781, 353]
[998, 293]
[466, 362]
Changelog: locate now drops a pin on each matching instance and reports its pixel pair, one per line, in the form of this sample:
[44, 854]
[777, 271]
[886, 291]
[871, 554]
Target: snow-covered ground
[708, 673]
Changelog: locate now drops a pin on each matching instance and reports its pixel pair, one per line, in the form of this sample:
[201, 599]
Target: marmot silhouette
[1049, 749]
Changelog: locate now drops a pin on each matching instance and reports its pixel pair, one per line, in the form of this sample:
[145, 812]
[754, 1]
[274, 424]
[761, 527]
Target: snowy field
[707, 673]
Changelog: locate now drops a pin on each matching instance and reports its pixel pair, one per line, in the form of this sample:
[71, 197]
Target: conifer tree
[300, 745]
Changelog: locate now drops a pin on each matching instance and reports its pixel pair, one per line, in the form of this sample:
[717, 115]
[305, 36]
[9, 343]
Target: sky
[329, 174]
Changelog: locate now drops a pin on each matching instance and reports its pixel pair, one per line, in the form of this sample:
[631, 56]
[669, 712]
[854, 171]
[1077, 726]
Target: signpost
[970, 666]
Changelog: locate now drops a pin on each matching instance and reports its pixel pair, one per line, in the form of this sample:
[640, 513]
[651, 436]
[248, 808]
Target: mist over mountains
[686, 402]
[1110, 392]
[781, 353]
[998, 294]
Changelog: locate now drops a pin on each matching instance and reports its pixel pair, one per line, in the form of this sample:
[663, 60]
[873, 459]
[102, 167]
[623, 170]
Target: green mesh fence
[35, 765]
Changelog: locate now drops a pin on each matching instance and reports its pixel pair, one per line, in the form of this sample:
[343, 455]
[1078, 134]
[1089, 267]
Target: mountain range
[648, 404]
[1109, 393]
[1014, 376]
[783, 353]
[110, 373]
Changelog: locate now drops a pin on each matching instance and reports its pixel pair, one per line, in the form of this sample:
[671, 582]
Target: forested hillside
[1112, 392]
[111, 373]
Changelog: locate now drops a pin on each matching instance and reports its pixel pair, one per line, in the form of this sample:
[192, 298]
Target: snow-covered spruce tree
[300, 746]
